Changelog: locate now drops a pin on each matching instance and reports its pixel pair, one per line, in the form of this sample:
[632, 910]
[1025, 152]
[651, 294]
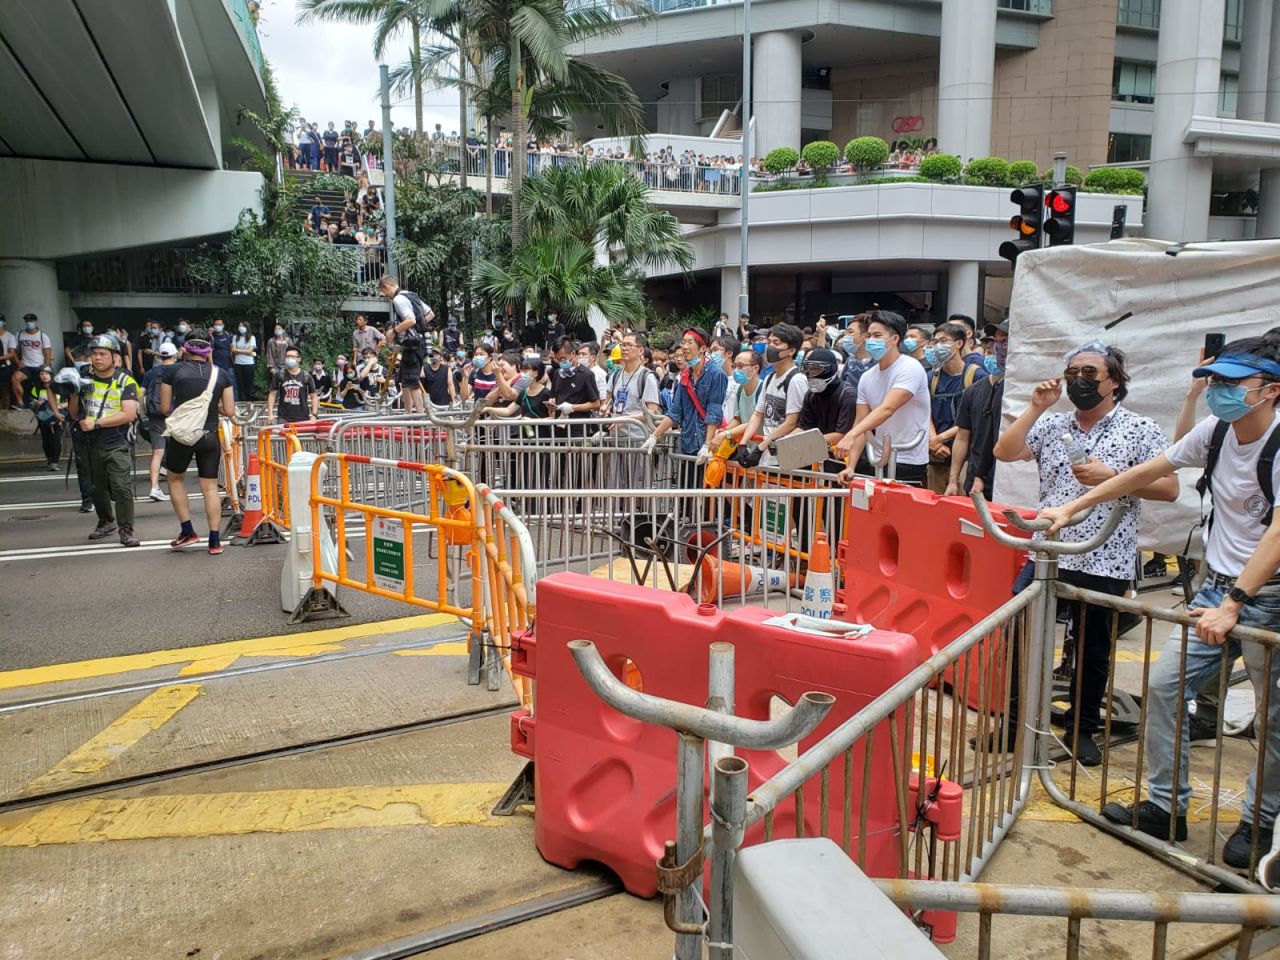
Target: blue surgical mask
[740, 377]
[942, 353]
[695, 360]
[758, 347]
[30, 325]
[909, 345]
[849, 346]
[717, 357]
[930, 356]
[992, 366]
[566, 365]
[799, 357]
[876, 347]
[1226, 401]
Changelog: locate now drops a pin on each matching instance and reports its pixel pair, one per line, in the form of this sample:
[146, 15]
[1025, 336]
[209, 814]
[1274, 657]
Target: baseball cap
[1236, 366]
[991, 329]
[168, 350]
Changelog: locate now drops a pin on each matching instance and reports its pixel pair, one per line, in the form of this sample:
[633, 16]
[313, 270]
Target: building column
[730, 287]
[1269, 212]
[964, 290]
[1188, 74]
[966, 77]
[775, 81]
[31, 286]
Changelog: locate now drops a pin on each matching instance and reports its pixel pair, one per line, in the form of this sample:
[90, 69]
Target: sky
[329, 73]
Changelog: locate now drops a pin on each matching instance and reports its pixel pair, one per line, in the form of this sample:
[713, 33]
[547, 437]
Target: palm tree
[389, 17]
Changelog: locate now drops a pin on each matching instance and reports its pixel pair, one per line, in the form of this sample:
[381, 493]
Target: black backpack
[1266, 463]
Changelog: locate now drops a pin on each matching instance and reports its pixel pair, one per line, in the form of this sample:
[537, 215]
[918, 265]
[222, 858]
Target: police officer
[105, 409]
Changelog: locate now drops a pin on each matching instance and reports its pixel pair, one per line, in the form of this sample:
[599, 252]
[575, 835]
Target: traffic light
[1060, 227]
[1030, 201]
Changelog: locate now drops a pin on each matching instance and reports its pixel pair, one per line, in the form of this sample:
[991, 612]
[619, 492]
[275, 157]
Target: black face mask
[1084, 393]
[773, 354]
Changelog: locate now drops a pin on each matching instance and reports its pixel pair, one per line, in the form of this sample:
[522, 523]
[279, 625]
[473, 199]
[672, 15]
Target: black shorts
[154, 430]
[207, 452]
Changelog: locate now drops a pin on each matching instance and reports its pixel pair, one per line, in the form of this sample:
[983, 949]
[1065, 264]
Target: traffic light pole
[1059, 168]
[744, 307]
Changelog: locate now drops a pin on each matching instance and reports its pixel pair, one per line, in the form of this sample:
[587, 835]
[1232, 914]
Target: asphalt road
[64, 598]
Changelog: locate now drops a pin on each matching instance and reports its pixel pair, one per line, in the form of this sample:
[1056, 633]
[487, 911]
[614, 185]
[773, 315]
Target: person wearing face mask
[589, 358]
[277, 347]
[949, 378]
[73, 342]
[153, 336]
[575, 393]
[34, 351]
[914, 344]
[244, 355]
[830, 405]
[220, 341]
[969, 349]
[746, 380]
[978, 423]
[782, 395]
[8, 361]
[346, 385]
[1237, 449]
[321, 382]
[1075, 451]
[480, 376]
[893, 401]
[856, 359]
[436, 381]
[291, 396]
[696, 407]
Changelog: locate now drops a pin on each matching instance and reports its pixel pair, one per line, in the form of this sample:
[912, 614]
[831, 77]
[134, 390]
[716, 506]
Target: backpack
[186, 423]
[786, 382]
[1266, 463]
[413, 338]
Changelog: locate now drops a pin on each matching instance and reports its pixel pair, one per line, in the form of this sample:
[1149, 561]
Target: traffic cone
[819, 584]
[738, 580]
[253, 529]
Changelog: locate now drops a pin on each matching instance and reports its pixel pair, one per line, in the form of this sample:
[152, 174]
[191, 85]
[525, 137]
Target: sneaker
[86, 506]
[1086, 752]
[1151, 819]
[53, 466]
[102, 530]
[183, 540]
[215, 548]
[158, 495]
[1155, 568]
[1203, 730]
[1235, 853]
[127, 539]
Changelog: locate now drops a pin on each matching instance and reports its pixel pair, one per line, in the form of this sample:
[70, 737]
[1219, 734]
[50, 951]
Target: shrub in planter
[1074, 175]
[821, 155]
[865, 153]
[781, 160]
[987, 172]
[1022, 172]
[1115, 180]
[941, 166]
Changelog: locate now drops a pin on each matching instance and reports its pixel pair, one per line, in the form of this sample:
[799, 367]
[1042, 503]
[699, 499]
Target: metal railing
[1044, 7]
[248, 29]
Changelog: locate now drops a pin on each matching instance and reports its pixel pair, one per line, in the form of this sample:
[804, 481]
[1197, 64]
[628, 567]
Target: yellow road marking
[456, 648]
[1041, 807]
[302, 650]
[1123, 656]
[108, 666]
[100, 750]
[211, 665]
[234, 814]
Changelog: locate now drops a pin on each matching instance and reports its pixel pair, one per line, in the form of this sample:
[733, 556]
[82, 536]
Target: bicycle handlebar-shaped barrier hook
[883, 455]
[1049, 546]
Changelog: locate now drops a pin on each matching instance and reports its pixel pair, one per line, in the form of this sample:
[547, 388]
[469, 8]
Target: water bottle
[1075, 453]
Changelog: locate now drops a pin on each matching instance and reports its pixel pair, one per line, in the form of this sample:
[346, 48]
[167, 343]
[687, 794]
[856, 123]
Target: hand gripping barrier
[920, 563]
[603, 779]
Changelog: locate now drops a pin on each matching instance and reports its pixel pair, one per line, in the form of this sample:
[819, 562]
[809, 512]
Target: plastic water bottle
[1075, 453]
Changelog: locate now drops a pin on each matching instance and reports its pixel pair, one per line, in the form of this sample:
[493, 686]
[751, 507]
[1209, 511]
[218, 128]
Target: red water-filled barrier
[919, 563]
[605, 783]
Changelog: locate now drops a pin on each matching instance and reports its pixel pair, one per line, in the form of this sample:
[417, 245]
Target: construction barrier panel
[510, 600]
[603, 780]
[920, 563]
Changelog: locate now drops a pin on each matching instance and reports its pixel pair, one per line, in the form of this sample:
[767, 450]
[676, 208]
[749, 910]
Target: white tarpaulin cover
[1063, 297]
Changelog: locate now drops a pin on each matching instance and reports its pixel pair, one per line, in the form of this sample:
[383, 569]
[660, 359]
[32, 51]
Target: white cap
[168, 350]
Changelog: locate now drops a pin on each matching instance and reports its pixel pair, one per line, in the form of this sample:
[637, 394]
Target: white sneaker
[158, 495]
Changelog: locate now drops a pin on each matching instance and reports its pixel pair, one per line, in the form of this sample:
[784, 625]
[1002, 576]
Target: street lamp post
[745, 172]
[388, 173]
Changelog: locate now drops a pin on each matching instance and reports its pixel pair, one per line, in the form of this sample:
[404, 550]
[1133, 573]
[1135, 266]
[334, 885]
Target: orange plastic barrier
[509, 579]
[920, 563]
[604, 782]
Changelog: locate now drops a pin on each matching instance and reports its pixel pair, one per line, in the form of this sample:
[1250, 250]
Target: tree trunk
[519, 157]
[488, 167]
[417, 75]
[463, 156]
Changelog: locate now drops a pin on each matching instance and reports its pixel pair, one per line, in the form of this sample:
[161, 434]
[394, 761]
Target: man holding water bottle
[1075, 451]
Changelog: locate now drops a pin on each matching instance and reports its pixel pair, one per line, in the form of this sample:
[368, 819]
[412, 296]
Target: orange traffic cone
[722, 578]
[252, 529]
[819, 583]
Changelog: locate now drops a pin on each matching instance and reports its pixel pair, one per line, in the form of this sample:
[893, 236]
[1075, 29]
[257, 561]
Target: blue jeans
[1165, 702]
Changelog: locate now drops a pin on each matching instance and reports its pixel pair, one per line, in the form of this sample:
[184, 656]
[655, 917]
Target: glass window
[1133, 82]
[720, 92]
[1128, 147]
[1228, 91]
[1232, 25]
[1139, 13]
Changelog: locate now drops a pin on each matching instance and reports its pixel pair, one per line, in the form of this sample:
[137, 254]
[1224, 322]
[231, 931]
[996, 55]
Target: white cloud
[328, 71]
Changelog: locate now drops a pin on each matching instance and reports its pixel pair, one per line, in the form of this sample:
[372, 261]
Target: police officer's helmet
[105, 341]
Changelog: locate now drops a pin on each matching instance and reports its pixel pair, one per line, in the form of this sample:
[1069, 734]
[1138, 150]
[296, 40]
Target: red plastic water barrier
[605, 783]
[920, 563]
[398, 434]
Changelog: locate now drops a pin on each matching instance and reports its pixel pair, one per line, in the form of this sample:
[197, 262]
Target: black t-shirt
[576, 386]
[435, 381]
[188, 380]
[831, 410]
[293, 395]
[533, 407]
[979, 413]
[321, 382]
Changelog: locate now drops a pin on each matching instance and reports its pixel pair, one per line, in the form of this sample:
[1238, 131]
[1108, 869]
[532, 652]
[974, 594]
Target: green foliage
[865, 153]
[781, 160]
[943, 167]
[1074, 176]
[1022, 172]
[870, 181]
[987, 172]
[337, 182]
[821, 155]
[1115, 180]
[663, 329]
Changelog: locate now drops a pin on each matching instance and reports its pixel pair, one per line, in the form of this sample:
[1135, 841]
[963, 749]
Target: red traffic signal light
[1030, 200]
[1061, 225]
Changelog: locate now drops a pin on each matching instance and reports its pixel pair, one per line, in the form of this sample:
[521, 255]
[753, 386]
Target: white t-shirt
[777, 405]
[602, 380]
[905, 373]
[403, 307]
[31, 348]
[245, 359]
[7, 342]
[1238, 505]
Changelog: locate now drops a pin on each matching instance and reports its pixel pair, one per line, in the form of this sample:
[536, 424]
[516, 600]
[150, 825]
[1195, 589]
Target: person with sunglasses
[1237, 448]
[1074, 452]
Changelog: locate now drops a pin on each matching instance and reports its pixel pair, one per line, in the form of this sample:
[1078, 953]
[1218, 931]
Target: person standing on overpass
[179, 383]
